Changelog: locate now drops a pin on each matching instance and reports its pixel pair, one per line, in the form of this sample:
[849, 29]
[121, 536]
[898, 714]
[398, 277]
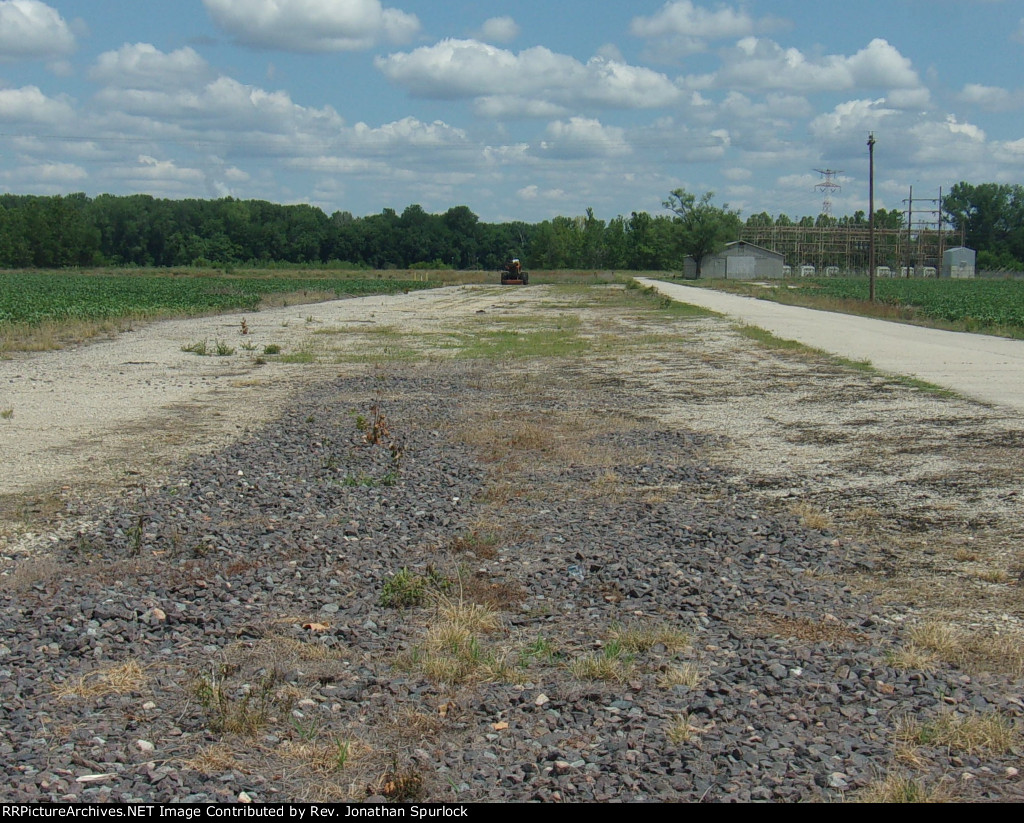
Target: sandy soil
[86, 419]
[933, 482]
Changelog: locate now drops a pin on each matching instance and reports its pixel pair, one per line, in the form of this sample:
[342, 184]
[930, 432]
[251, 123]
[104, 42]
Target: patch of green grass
[639, 639]
[540, 650]
[304, 356]
[613, 662]
[200, 347]
[765, 338]
[562, 341]
[222, 349]
[406, 588]
[273, 348]
[6, 414]
[244, 711]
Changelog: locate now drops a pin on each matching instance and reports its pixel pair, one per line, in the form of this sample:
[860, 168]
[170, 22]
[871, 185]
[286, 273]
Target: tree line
[140, 230]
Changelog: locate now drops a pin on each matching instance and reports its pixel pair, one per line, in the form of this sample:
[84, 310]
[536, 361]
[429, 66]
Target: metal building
[739, 260]
[959, 262]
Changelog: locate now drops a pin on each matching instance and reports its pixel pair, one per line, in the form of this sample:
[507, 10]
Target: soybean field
[34, 297]
[971, 304]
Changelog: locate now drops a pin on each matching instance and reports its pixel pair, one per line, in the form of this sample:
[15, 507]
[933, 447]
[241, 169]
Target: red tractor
[512, 274]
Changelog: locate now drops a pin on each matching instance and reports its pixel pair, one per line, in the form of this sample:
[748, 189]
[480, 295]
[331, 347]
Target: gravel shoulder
[650, 561]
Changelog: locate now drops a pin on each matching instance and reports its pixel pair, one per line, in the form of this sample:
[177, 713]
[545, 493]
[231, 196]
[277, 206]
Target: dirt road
[990, 369]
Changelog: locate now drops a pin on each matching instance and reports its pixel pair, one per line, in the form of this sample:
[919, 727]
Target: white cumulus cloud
[312, 25]
[31, 29]
[453, 69]
[580, 137]
[143, 66]
[854, 117]
[759, 64]
[682, 27]
[29, 105]
[991, 98]
[498, 30]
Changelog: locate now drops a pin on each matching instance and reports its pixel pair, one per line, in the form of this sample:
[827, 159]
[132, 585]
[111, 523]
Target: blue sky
[520, 111]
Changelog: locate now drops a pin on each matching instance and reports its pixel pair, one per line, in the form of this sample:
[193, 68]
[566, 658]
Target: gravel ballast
[222, 634]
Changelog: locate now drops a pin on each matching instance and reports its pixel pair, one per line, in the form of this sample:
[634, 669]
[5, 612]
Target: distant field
[36, 297]
[990, 306]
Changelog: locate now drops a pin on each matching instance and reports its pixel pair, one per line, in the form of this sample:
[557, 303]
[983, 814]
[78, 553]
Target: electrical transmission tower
[828, 185]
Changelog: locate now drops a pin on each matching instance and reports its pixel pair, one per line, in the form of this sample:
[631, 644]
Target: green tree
[702, 228]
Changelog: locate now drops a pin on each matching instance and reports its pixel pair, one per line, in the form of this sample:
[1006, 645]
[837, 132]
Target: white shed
[739, 260]
[959, 262]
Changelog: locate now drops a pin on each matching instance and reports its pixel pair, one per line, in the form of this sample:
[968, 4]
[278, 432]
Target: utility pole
[871, 217]
[910, 228]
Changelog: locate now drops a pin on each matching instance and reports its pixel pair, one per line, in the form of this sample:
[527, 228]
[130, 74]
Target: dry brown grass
[972, 651]
[827, 629]
[414, 724]
[897, 788]
[962, 733]
[812, 517]
[682, 730]
[30, 571]
[685, 674]
[215, 759]
[122, 678]
[912, 657]
[601, 666]
[454, 649]
[53, 335]
[324, 757]
[641, 638]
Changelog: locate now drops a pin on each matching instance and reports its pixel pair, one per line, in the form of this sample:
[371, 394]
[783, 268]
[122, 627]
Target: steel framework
[847, 247]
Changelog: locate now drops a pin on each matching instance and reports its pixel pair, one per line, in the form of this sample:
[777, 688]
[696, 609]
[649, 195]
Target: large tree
[702, 228]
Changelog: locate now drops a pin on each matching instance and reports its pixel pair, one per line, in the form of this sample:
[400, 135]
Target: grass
[894, 301]
[962, 733]
[685, 674]
[123, 678]
[897, 788]
[928, 643]
[612, 662]
[681, 729]
[812, 517]
[200, 347]
[6, 414]
[637, 639]
[454, 649]
[405, 588]
[244, 710]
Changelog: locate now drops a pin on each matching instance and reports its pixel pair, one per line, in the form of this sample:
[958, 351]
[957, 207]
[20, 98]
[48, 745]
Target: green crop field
[35, 297]
[975, 305]
[991, 303]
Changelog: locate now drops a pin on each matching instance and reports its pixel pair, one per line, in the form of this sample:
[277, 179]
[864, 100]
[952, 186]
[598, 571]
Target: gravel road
[643, 566]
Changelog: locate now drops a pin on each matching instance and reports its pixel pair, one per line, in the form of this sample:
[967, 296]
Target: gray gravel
[256, 574]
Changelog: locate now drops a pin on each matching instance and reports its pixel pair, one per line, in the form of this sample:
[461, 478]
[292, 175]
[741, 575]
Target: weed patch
[963, 733]
[405, 588]
[244, 710]
[612, 662]
[897, 788]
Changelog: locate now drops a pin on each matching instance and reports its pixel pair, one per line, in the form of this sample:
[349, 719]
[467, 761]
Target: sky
[519, 110]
